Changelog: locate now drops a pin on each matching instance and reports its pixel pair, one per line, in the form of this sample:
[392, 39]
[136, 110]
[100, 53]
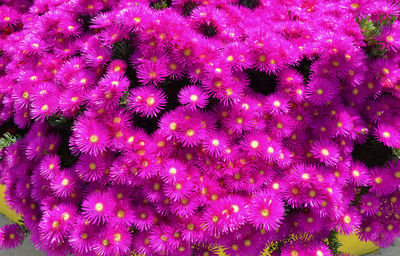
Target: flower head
[266, 211]
[147, 100]
[326, 151]
[89, 136]
[11, 236]
[193, 96]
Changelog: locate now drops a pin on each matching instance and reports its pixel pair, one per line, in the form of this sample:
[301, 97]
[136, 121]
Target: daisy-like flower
[326, 152]
[185, 207]
[96, 206]
[144, 217]
[255, 144]
[162, 239]
[89, 136]
[369, 204]
[359, 174]
[281, 126]
[369, 230]
[50, 167]
[173, 171]
[109, 91]
[117, 66]
[112, 240]
[11, 236]
[52, 227]
[390, 38]
[266, 210]
[321, 91]
[387, 134]
[82, 235]
[349, 221]
[294, 248]
[179, 190]
[151, 73]
[213, 220]
[148, 101]
[382, 182]
[65, 183]
[193, 97]
[319, 249]
[215, 143]
[191, 229]
[276, 104]
[70, 102]
[90, 168]
[191, 132]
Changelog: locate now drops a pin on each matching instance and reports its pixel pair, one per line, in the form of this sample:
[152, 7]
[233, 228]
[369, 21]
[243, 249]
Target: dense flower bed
[166, 128]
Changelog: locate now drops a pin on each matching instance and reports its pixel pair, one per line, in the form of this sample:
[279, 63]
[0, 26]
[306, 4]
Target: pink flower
[89, 136]
[11, 236]
[266, 211]
[147, 100]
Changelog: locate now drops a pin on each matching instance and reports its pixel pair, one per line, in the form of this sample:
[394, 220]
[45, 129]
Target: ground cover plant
[177, 127]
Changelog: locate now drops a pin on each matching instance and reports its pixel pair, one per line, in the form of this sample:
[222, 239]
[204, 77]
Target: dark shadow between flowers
[261, 82]
[372, 153]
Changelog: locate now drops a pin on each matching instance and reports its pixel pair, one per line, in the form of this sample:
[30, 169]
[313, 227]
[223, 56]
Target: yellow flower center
[265, 212]
[65, 182]
[152, 74]
[215, 219]
[121, 213]
[99, 207]
[117, 237]
[254, 144]
[150, 101]
[173, 126]
[172, 170]
[190, 132]
[325, 152]
[378, 180]
[94, 138]
[190, 226]
[55, 224]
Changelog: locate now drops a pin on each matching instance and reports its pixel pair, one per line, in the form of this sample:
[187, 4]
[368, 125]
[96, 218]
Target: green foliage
[160, 5]
[370, 30]
[333, 242]
[396, 153]
[121, 50]
[7, 140]
[372, 153]
[251, 4]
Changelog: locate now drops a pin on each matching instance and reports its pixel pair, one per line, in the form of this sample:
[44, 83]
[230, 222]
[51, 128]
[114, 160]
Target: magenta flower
[192, 97]
[172, 129]
[148, 101]
[95, 207]
[325, 151]
[89, 136]
[11, 236]
[266, 211]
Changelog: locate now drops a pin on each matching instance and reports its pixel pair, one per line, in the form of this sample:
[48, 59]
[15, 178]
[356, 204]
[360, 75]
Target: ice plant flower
[159, 127]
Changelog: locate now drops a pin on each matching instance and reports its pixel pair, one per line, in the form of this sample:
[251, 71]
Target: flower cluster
[162, 128]
[11, 236]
